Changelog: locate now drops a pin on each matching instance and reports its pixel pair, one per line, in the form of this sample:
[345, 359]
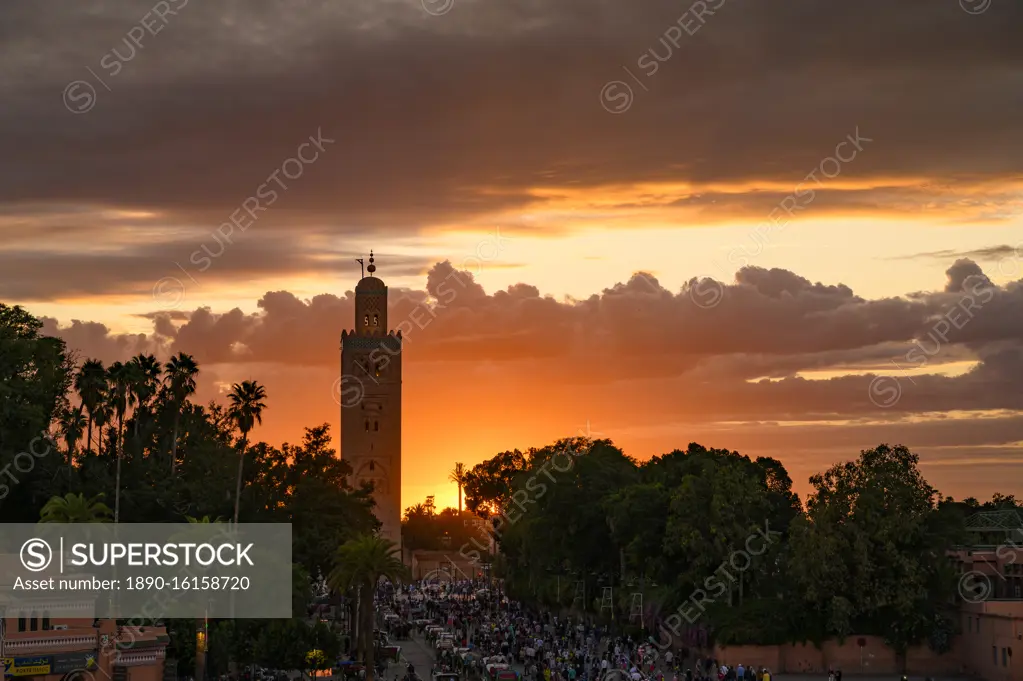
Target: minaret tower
[371, 401]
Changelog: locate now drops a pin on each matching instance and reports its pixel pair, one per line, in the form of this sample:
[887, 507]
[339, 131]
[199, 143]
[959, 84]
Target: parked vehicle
[385, 649]
[502, 673]
[446, 676]
[349, 670]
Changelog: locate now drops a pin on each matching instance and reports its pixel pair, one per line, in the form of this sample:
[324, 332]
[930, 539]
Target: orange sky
[827, 217]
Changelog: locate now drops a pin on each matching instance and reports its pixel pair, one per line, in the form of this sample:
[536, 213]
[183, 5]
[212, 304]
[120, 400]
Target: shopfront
[62, 664]
[32, 665]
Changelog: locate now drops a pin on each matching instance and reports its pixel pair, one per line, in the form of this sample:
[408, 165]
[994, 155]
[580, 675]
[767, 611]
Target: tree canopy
[70, 427]
[723, 539]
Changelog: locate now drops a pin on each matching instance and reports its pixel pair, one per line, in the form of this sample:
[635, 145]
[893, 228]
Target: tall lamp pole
[201, 646]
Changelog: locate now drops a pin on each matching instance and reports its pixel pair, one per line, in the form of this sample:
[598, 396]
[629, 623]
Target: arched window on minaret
[365, 320]
[367, 425]
[376, 320]
[376, 425]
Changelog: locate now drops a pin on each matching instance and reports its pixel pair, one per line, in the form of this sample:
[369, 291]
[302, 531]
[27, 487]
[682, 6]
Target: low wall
[758, 656]
[856, 655]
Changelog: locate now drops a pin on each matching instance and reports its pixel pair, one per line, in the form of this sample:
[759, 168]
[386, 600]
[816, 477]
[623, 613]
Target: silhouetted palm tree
[104, 415]
[75, 508]
[146, 370]
[359, 564]
[246, 410]
[134, 383]
[72, 426]
[179, 377]
[458, 477]
[91, 384]
[120, 377]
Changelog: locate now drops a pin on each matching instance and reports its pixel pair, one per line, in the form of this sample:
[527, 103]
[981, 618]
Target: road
[417, 651]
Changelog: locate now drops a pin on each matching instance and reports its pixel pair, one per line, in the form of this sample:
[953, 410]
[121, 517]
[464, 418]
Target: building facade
[51, 637]
[71, 649]
[371, 402]
[992, 590]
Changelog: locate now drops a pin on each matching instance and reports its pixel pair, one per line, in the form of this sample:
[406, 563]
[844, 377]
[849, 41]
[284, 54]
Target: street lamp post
[201, 645]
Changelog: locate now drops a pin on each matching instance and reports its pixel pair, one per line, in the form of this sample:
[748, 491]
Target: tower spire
[372, 268]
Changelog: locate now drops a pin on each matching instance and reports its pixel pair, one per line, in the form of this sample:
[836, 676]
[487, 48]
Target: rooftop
[1007, 520]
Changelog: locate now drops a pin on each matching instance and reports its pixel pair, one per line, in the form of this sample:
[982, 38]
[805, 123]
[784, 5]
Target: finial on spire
[372, 268]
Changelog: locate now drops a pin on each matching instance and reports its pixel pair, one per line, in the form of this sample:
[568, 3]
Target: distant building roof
[1006, 520]
[440, 554]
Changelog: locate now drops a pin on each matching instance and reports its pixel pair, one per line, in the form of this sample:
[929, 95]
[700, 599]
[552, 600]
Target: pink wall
[758, 656]
[873, 657]
[988, 629]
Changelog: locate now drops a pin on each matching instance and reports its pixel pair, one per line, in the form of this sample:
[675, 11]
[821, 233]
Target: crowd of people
[493, 634]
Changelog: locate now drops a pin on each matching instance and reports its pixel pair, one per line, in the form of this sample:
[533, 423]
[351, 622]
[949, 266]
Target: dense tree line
[424, 527]
[865, 554]
[84, 442]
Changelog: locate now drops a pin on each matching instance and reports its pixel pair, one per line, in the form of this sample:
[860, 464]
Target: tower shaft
[371, 402]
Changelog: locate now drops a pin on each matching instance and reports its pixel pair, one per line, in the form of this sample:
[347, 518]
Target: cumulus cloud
[95, 340]
[965, 275]
[769, 324]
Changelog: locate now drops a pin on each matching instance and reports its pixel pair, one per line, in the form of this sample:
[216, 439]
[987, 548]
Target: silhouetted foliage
[76, 430]
[867, 556]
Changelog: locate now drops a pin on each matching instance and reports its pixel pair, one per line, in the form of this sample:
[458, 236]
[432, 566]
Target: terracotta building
[35, 645]
[81, 649]
[992, 590]
[370, 398]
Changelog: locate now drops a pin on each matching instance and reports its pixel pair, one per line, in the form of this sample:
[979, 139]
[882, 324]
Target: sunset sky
[633, 264]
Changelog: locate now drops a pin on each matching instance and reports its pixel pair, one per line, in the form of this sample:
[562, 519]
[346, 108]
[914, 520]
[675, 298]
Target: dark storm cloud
[209, 259]
[427, 111]
[898, 202]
